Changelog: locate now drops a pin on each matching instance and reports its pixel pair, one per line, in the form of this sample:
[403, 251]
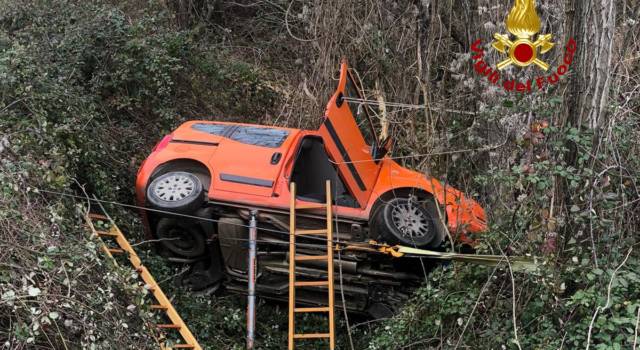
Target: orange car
[222, 170]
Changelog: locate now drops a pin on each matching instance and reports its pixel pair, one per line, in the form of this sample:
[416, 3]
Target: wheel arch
[396, 192]
[199, 169]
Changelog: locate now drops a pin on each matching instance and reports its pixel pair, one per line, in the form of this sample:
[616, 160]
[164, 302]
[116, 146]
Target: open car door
[350, 139]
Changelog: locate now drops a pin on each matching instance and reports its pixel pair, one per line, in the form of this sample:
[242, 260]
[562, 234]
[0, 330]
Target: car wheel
[409, 221]
[181, 237]
[176, 191]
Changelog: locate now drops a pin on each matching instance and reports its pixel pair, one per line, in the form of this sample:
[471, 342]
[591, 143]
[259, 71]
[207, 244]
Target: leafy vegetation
[87, 88]
[84, 92]
[556, 308]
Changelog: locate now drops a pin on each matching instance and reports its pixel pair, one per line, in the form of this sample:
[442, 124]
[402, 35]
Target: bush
[85, 91]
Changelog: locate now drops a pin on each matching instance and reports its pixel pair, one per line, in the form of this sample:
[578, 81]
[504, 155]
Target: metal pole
[251, 292]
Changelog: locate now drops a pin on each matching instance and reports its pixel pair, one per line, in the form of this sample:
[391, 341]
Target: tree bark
[593, 28]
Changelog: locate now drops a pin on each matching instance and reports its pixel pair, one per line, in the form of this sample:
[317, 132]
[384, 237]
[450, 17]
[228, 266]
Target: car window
[266, 137]
[251, 135]
[214, 129]
[361, 112]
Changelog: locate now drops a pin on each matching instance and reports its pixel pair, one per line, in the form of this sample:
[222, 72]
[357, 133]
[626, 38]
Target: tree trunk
[593, 28]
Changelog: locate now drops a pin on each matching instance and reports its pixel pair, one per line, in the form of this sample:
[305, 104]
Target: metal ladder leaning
[163, 304]
[293, 257]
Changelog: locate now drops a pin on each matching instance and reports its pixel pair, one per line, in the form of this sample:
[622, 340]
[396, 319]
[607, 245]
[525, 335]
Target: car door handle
[275, 158]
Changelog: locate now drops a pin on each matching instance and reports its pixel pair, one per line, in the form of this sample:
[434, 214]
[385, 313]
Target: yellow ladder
[293, 257]
[162, 302]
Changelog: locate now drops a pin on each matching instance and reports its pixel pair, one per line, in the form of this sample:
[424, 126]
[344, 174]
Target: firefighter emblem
[523, 23]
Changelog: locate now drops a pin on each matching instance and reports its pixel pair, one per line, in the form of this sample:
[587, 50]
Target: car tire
[176, 191]
[408, 221]
[379, 311]
[181, 237]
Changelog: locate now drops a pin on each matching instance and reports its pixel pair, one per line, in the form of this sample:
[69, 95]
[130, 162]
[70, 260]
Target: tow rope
[527, 264]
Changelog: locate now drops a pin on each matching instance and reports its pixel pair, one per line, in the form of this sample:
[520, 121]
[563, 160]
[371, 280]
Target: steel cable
[286, 233]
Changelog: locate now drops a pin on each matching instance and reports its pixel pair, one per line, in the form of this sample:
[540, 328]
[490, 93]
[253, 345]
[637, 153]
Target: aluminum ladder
[293, 257]
[120, 246]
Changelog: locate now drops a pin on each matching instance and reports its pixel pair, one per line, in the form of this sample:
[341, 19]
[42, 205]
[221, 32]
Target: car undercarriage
[374, 284]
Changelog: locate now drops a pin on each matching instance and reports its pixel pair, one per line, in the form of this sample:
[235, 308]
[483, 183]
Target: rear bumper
[141, 186]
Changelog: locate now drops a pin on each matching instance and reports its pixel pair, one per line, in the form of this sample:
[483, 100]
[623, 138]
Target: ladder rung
[107, 233]
[312, 309]
[311, 283]
[311, 206]
[158, 307]
[311, 232]
[116, 250]
[98, 217]
[183, 346]
[311, 257]
[169, 326]
[311, 335]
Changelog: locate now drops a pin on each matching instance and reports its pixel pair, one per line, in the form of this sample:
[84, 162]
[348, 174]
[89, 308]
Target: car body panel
[248, 169]
[346, 145]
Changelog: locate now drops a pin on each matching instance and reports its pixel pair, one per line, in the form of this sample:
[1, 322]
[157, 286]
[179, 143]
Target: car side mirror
[383, 149]
[387, 144]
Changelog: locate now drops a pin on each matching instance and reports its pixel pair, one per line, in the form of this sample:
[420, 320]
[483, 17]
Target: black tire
[380, 310]
[176, 191]
[181, 237]
[409, 221]
[200, 277]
